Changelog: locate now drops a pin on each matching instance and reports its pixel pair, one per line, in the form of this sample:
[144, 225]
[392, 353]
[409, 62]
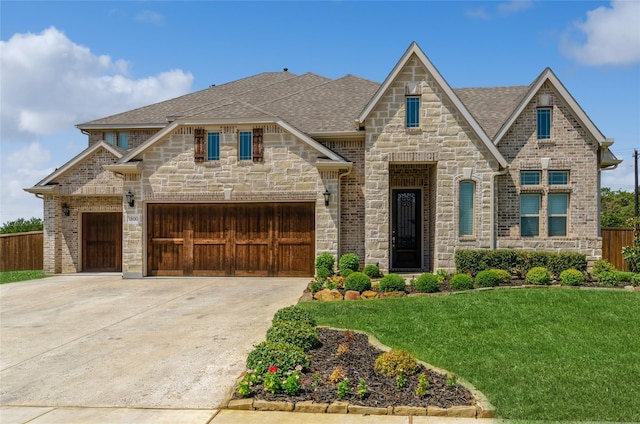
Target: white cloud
[49, 83]
[478, 13]
[621, 178]
[150, 17]
[609, 36]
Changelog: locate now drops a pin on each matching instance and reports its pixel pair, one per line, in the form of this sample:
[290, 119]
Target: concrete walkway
[92, 341]
[34, 415]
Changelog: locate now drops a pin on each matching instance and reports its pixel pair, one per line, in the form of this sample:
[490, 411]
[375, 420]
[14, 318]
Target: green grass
[14, 276]
[544, 354]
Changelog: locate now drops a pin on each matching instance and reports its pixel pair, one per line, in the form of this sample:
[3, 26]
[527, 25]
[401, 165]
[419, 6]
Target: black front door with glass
[406, 231]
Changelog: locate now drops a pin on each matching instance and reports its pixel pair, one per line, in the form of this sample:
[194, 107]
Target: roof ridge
[299, 91]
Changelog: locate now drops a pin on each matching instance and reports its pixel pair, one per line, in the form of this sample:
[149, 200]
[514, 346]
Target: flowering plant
[292, 384]
[245, 386]
[272, 381]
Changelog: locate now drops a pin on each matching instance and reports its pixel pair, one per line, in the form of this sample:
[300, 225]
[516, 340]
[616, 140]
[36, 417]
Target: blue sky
[64, 63]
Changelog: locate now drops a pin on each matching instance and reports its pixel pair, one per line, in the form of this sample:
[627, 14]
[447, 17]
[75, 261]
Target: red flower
[273, 369]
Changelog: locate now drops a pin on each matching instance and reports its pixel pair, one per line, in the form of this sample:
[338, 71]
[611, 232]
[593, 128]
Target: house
[258, 176]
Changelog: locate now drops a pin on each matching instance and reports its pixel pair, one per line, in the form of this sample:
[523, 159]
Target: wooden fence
[21, 251]
[613, 239]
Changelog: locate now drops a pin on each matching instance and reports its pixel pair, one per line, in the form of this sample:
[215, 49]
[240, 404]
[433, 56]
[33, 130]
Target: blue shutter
[467, 192]
[213, 146]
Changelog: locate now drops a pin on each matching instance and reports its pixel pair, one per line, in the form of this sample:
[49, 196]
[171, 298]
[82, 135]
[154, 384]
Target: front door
[102, 242]
[406, 234]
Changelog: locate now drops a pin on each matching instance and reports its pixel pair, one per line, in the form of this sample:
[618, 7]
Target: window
[558, 177]
[529, 177]
[544, 124]
[110, 137]
[413, 111]
[529, 215]
[213, 146]
[467, 192]
[245, 144]
[558, 205]
[123, 140]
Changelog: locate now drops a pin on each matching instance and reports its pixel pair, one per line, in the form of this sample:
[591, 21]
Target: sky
[65, 63]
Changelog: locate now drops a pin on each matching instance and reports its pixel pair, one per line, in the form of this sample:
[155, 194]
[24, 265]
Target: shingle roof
[312, 103]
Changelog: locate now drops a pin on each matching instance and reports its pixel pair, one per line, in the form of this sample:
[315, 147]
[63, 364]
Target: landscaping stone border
[481, 409]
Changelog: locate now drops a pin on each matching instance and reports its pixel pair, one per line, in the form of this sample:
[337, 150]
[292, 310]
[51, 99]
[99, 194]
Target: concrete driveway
[101, 341]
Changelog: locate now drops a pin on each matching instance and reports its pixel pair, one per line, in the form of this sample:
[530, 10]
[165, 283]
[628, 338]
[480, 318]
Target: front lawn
[545, 354]
[14, 276]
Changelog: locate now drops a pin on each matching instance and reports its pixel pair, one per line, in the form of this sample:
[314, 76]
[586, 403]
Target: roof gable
[414, 49]
[79, 158]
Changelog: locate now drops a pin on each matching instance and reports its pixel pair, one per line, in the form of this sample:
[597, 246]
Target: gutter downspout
[494, 201]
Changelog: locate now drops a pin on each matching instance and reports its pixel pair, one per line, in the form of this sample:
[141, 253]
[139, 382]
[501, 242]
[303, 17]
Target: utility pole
[635, 156]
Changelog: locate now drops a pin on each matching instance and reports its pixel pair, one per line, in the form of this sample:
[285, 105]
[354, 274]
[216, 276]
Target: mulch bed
[357, 364]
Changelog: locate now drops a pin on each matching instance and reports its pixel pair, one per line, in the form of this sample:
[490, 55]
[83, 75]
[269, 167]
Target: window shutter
[198, 145]
[258, 147]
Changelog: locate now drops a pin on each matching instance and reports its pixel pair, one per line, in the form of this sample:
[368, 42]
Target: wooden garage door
[231, 240]
[102, 242]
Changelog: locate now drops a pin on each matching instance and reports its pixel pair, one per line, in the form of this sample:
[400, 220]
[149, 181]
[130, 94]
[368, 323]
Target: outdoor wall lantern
[327, 195]
[65, 209]
[129, 197]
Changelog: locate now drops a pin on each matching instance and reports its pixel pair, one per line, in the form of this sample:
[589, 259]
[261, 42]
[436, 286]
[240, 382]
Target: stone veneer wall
[570, 148]
[169, 174]
[443, 138]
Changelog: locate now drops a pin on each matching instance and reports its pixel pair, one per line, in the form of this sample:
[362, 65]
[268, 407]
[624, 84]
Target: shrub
[571, 277]
[325, 260]
[346, 272]
[300, 334]
[631, 254]
[392, 282]
[538, 275]
[601, 266]
[285, 356]
[461, 282]
[357, 281]
[505, 276]
[323, 273]
[487, 278]
[349, 261]
[626, 277]
[559, 262]
[372, 271]
[293, 313]
[395, 362]
[607, 278]
[427, 283]
[635, 279]
[316, 286]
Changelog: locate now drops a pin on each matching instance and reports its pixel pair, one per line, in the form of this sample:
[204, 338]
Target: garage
[246, 239]
[102, 242]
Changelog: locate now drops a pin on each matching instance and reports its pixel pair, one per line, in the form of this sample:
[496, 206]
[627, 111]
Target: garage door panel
[231, 239]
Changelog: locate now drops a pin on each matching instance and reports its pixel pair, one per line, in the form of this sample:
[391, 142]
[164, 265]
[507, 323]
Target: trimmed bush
[285, 356]
[571, 277]
[505, 276]
[293, 313]
[607, 279]
[357, 281]
[635, 280]
[372, 271]
[601, 266]
[427, 283]
[396, 361]
[487, 278]
[622, 276]
[299, 334]
[538, 275]
[392, 282]
[349, 261]
[326, 260]
[461, 282]
[323, 273]
[345, 272]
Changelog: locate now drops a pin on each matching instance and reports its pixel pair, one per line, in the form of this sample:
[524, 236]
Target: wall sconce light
[129, 197]
[65, 209]
[326, 195]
